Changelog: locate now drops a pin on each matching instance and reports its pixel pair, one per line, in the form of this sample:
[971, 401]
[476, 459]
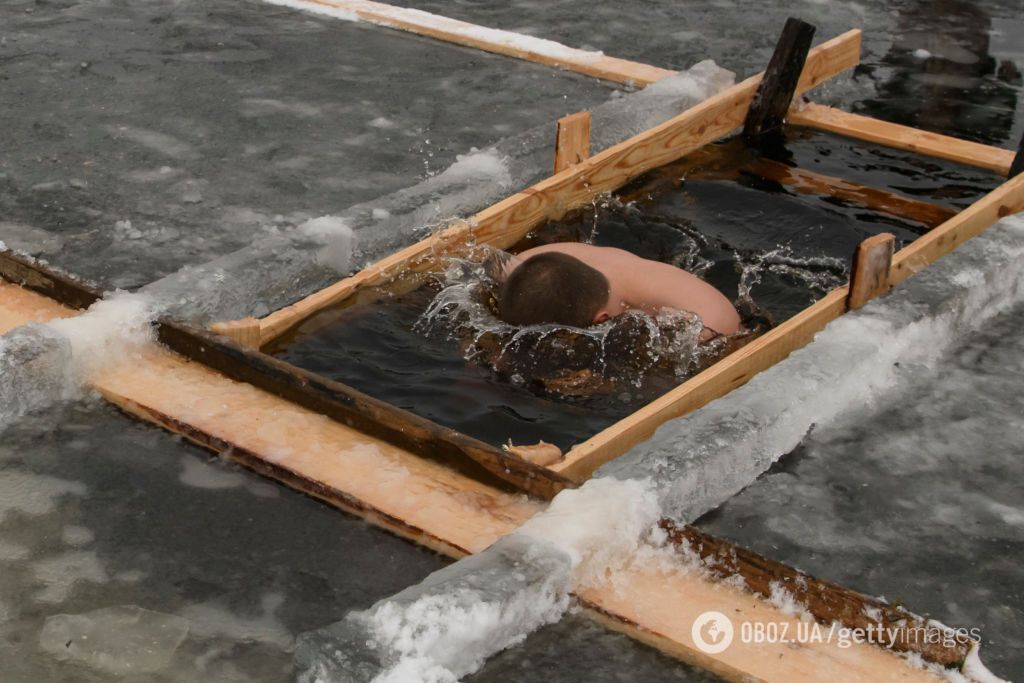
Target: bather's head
[554, 288]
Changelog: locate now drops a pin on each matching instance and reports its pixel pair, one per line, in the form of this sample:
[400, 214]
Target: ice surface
[702, 459]
[35, 364]
[121, 640]
[30, 494]
[445, 627]
[214, 620]
[58, 574]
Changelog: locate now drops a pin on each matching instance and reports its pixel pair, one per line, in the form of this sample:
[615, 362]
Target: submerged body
[629, 283]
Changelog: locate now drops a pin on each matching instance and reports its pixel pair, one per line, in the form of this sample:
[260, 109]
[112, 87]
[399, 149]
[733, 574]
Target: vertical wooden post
[1017, 167]
[572, 142]
[245, 331]
[871, 264]
[775, 93]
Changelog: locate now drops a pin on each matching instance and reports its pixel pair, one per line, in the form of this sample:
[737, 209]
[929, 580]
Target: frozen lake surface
[139, 137]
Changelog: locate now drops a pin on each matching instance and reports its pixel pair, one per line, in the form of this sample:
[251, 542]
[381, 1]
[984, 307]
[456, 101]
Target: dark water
[769, 248]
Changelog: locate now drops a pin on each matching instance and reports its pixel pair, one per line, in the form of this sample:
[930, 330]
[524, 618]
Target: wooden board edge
[1005, 200]
[832, 120]
[44, 279]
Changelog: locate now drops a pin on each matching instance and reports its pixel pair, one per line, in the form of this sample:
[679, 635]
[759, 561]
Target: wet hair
[552, 288]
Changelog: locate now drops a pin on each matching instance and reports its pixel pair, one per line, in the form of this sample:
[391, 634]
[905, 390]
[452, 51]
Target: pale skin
[639, 284]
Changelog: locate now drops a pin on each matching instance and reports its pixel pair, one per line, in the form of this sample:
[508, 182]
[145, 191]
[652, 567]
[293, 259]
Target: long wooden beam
[529, 48]
[505, 223]
[456, 515]
[894, 135]
[882, 201]
[1005, 200]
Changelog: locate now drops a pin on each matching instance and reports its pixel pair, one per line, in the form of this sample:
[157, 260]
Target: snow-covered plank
[500, 42]
[894, 135]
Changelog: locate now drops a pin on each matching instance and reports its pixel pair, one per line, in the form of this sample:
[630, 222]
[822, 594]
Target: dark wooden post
[775, 93]
[1017, 167]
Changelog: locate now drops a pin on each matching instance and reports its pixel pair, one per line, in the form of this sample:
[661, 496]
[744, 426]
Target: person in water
[570, 283]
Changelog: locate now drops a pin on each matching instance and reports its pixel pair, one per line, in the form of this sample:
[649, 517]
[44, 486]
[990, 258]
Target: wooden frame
[506, 222]
[457, 515]
[271, 419]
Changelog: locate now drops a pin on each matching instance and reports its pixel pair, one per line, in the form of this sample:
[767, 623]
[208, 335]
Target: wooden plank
[827, 602]
[505, 223]
[359, 411]
[572, 140]
[775, 92]
[733, 371]
[881, 201]
[19, 306]
[245, 332]
[658, 606]
[497, 41]
[48, 281]
[894, 135]
[871, 264]
[1005, 200]
[453, 514]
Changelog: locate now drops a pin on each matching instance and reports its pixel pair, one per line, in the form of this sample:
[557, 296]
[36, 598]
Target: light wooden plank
[18, 307]
[727, 374]
[900, 137]
[444, 511]
[497, 41]
[572, 140]
[245, 331]
[870, 273]
[1005, 200]
[659, 608]
[506, 222]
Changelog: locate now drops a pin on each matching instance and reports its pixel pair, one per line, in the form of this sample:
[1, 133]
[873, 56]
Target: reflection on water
[941, 74]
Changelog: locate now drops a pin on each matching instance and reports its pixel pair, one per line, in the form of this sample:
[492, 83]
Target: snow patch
[336, 239]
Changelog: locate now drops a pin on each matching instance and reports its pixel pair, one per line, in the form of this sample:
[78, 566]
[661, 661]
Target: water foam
[43, 363]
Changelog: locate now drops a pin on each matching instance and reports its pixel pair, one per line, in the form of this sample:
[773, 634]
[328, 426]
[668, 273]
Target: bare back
[637, 283]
